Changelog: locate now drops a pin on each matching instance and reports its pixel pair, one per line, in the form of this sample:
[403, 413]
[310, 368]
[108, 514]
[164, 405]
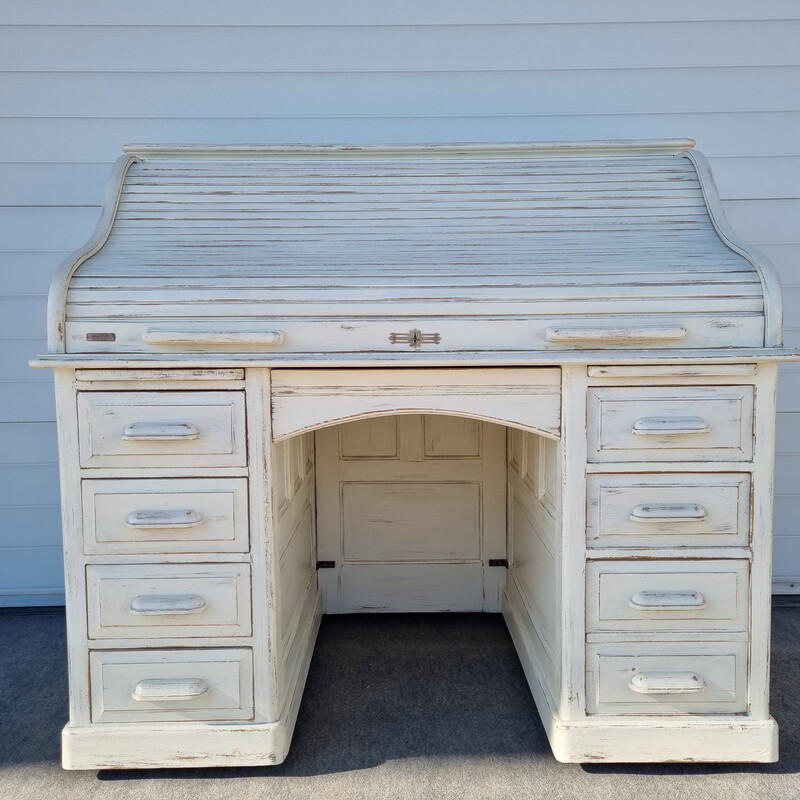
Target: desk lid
[405, 249]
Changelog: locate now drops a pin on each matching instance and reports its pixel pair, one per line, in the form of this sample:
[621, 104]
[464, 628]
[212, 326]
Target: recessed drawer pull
[654, 600]
[667, 683]
[672, 426]
[160, 689]
[166, 519]
[160, 432]
[167, 604]
[156, 336]
[652, 513]
[666, 333]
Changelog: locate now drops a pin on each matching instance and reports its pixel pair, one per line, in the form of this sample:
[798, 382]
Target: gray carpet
[399, 706]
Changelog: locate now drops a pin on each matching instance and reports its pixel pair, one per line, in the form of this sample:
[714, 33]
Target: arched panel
[304, 399]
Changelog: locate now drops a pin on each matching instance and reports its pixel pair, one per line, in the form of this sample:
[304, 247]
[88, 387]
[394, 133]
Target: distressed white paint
[643, 658]
[410, 510]
[406, 486]
[456, 236]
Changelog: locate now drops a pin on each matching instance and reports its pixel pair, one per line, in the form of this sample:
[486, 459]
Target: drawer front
[165, 515]
[689, 423]
[311, 328]
[168, 600]
[667, 595]
[161, 429]
[672, 510]
[171, 685]
[707, 678]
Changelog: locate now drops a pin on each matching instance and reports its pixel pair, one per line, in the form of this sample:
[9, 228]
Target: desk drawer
[165, 515]
[666, 679]
[161, 429]
[686, 423]
[668, 510]
[667, 595]
[168, 600]
[171, 685]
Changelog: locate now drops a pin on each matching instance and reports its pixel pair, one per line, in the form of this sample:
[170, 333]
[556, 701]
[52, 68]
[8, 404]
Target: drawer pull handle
[666, 333]
[160, 432]
[156, 336]
[160, 689]
[166, 519]
[655, 600]
[667, 683]
[652, 513]
[672, 426]
[167, 604]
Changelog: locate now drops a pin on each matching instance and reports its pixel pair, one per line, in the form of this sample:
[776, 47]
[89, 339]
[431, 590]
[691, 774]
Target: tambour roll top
[405, 249]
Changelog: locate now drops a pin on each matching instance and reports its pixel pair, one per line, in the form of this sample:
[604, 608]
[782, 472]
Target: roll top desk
[536, 379]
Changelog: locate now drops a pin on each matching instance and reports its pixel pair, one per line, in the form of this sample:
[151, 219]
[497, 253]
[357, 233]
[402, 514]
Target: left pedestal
[180, 650]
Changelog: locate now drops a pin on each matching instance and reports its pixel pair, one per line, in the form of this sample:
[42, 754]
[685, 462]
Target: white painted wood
[306, 399]
[59, 284]
[139, 601]
[761, 569]
[442, 255]
[132, 429]
[268, 687]
[411, 508]
[321, 334]
[612, 668]
[632, 738]
[713, 423]
[673, 596]
[640, 510]
[177, 337]
[773, 334]
[606, 336]
[109, 746]
[379, 219]
[167, 683]
[534, 521]
[140, 379]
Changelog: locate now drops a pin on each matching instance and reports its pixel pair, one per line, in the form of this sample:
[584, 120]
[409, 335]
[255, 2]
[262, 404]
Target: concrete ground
[396, 707]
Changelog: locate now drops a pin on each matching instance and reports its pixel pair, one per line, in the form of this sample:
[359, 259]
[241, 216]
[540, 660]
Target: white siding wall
[82, 78]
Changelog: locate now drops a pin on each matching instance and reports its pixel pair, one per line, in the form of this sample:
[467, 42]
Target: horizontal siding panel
[788, 387]
[786, 257]
[30, 526]
[75, 140]
[760, 221]
[368, 12]
[29, 272]
[26, 401]
[786, 554]
[35, 442]
[27, 599]
[787, 514]
[758, 178]
[22, 316]
[64, 184]
[402, 47]
[426, 93]
[29, 484]
[27, 573]
[14, 356]
[31, 228]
